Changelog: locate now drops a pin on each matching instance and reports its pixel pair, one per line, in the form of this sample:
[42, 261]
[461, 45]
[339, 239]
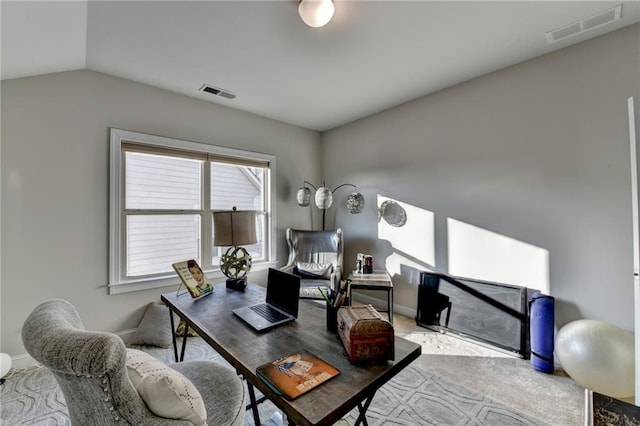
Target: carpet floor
[443, 387]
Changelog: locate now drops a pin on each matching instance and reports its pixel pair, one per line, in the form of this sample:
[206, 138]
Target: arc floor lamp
[324, 198]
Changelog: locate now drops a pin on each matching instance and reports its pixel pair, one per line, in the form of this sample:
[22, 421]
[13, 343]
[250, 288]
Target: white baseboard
[126, 335]
[23, 361]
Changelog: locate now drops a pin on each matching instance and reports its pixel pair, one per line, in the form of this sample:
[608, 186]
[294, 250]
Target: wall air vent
[217, 91]
[595, 21]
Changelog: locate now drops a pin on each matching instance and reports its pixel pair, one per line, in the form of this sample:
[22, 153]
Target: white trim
[634, 189]
[126, 334]
[118, 284]
[173, 281]
[162, 141]
[636, 238]
[115, 218]
[205, 200]
[24, 360]
[272, 251]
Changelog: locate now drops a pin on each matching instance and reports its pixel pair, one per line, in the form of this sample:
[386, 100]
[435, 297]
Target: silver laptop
[281, 306]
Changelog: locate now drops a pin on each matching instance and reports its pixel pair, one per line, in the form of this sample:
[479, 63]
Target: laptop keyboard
[268, 313]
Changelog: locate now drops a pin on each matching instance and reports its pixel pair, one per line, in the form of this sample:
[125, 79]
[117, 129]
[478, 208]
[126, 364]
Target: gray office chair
[316, 256]
[90, 368]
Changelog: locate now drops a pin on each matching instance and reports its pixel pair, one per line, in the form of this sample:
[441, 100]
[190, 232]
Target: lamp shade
[324, 198]
[234, 228]
[303, 196]
[355, 203]
[316, 13]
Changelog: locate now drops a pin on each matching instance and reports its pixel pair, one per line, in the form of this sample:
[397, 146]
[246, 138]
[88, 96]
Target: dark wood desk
[245, 350]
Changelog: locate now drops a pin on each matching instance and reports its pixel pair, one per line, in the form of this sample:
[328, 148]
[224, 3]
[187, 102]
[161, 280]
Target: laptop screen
[283, 291]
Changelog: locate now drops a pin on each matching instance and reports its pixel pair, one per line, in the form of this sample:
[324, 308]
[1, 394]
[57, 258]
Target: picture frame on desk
[193, 278]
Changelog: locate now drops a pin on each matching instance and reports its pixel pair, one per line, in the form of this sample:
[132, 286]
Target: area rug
[413, 397]
[417, 397]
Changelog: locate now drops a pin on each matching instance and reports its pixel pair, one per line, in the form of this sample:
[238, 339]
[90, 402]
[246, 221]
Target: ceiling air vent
[595, 21]
[217, 91]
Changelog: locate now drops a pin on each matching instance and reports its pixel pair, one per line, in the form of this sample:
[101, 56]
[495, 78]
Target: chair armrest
[288, 268]
[336, 276]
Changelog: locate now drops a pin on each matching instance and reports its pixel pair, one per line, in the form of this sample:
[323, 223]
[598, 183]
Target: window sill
[174, 281]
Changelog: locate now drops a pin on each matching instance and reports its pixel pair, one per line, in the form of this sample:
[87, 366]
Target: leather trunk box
[365, 334]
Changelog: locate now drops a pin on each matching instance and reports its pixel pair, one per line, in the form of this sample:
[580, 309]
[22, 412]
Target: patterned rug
[413, 397]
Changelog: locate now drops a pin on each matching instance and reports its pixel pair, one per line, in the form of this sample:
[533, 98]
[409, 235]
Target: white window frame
[118, 283]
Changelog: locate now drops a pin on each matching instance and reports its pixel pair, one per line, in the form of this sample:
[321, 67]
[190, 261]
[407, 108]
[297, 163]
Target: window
[163, 193]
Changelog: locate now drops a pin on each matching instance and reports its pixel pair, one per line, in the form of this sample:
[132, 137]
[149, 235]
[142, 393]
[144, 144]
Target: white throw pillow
[167, 392]
[315, 270]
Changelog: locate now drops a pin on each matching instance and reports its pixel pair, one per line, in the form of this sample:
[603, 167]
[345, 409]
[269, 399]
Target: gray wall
[55, 200]
[520, 176]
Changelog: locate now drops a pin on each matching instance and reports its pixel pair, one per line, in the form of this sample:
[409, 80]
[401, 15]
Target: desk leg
[390, 304]
[362, 418]
[184, 341]
[173, 336]
[254, 404]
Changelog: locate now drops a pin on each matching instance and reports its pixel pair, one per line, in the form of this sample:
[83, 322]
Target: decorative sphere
[355, 203]
[598, 356]
[324, 198]
[236, 262]
[303, 197]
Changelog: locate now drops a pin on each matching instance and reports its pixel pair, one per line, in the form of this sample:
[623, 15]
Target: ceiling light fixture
[316, 13]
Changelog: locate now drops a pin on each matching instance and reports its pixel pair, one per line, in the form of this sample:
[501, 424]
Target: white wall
[520, 176]
[55, 165]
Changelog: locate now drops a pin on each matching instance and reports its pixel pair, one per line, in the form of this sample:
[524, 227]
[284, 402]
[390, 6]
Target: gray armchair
[316, 256]
[91, 369]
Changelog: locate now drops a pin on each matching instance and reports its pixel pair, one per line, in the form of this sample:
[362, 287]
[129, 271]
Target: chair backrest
[89, 366]
[315, 246]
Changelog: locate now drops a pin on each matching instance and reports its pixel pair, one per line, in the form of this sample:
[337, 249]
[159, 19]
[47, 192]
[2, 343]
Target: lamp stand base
[237, 284]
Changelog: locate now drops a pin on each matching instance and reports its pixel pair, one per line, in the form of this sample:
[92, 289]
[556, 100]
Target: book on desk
[193, 278]
[296, 374]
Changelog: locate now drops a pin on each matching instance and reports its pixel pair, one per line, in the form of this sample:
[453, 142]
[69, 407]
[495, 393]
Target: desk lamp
[232, 229]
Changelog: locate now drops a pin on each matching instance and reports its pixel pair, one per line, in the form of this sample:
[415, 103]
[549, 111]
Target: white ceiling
[372, 56]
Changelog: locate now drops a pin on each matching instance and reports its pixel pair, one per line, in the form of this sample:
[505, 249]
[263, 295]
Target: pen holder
[332, 318]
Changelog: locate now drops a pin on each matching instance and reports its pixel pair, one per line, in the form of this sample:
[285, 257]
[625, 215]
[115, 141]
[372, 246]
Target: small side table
[378, 280]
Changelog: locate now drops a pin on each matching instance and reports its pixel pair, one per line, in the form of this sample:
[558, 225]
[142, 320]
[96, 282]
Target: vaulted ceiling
[373, 55]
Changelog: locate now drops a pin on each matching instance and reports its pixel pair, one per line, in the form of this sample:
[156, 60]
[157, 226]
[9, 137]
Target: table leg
[254, 404]
[362, 418]
[390, 305]
[184, 341]
[173, 336]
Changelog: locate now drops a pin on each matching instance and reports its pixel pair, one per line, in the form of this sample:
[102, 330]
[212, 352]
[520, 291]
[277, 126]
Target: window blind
[195, 155]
